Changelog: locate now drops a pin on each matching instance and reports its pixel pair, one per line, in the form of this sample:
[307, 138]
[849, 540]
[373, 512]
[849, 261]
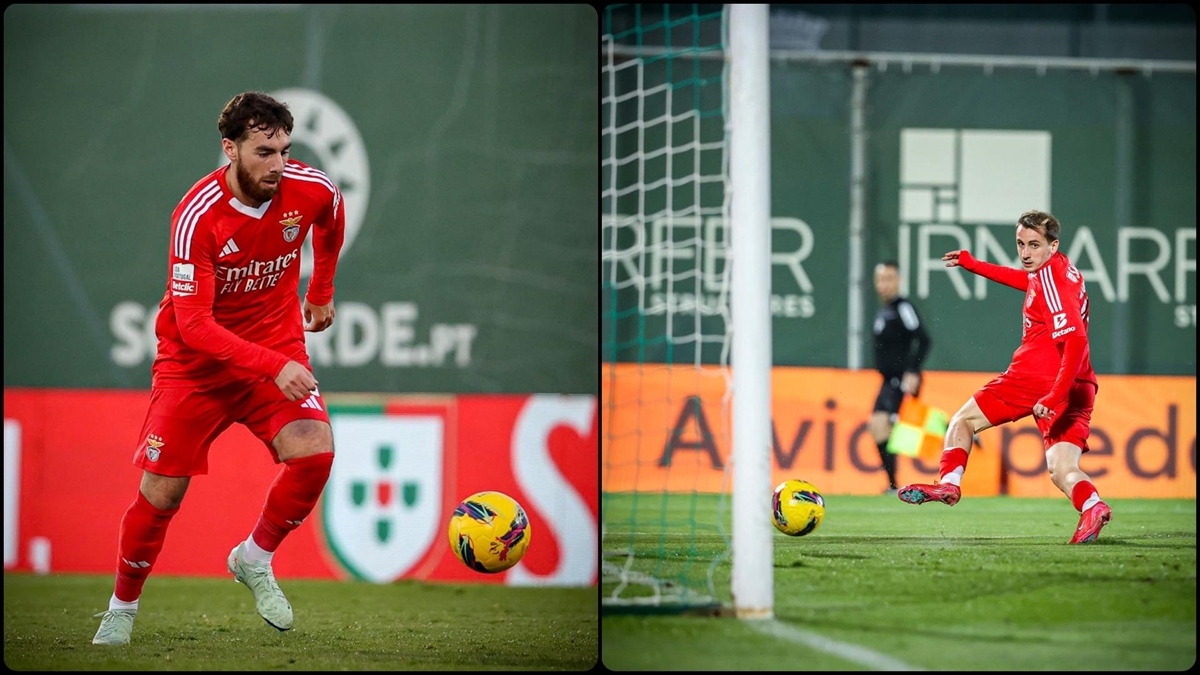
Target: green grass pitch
[988, 584]
[210, 624]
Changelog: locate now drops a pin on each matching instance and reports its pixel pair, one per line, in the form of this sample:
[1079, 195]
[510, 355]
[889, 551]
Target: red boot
[1090, 522]
[919, 494]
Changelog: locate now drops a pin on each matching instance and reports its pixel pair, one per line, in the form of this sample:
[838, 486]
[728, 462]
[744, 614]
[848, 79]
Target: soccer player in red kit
[1050, 377]
[231, 349]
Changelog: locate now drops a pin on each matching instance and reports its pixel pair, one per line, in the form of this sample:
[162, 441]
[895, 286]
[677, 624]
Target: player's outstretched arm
[1003, 275]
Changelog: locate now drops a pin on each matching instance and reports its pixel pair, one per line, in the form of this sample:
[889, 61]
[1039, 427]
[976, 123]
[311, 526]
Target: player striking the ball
[231, 349]
[1050, 377]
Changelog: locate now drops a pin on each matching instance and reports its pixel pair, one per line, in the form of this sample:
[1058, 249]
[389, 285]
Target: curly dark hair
[253, 110]
[1041, 221]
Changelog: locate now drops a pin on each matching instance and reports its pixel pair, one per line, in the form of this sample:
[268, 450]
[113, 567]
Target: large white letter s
[564, 511]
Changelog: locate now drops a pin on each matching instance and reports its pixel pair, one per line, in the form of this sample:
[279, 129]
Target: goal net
[665, 308]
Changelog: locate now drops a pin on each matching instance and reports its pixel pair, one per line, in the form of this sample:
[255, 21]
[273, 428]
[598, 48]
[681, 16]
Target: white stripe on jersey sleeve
[1054, 289]
[187, 218]
[187, 249]
[1050, 291]
[315, 176]
[908, 315]
[309, 173]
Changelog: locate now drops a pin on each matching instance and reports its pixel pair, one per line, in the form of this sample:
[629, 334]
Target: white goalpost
[750, 291]
[686, 174]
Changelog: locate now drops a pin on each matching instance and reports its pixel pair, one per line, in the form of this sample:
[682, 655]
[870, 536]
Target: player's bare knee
[1062, 461]
[304, 438]
[1051, 468]
[961, 422]
[164, 492]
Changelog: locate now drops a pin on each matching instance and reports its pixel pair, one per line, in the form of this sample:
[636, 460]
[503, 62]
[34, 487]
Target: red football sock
[143, 531]
[952, 460]
[1081, 493]
[291, 498]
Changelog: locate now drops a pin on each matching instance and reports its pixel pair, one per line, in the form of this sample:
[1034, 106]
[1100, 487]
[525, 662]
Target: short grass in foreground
[988, 584]
[210, 624]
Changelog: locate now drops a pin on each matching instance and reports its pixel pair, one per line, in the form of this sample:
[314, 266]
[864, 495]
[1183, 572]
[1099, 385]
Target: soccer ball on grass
[489, 532]
[797, 508]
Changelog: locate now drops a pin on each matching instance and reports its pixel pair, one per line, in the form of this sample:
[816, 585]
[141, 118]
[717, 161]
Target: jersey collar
[256, 213]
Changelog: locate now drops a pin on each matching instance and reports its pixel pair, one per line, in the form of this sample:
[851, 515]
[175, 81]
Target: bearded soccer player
[1050, 377]
[231, 349]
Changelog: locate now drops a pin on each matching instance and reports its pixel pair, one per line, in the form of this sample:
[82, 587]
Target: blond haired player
[1050, 377]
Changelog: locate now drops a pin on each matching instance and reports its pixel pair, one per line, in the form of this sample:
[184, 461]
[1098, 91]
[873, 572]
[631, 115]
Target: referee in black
[901, 345]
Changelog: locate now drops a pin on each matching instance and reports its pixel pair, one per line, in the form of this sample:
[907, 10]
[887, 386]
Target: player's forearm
[1072, 360]
[327, 245]
[1004, 275]
[202, 333]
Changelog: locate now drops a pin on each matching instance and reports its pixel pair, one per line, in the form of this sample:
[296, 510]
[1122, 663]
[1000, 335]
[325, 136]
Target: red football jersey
[231, 308]
[1056, 307]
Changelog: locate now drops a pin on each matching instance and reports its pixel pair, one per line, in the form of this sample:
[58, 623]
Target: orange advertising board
[668, 428]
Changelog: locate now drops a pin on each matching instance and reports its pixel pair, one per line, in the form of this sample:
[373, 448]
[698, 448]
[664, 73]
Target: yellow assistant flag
[919, 430]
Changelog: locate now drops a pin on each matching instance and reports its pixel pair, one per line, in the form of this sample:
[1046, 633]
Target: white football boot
[272, 606]
[115, 627]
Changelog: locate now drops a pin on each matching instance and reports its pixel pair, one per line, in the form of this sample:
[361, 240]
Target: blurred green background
[462, 136]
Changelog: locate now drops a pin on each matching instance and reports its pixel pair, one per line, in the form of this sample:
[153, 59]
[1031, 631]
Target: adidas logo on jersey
[230, 248]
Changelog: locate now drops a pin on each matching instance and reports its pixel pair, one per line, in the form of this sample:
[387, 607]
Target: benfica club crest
[291, 225]
[382, 507]
[153, 447]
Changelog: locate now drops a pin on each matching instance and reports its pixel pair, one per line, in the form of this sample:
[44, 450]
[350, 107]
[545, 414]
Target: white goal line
[850, 652]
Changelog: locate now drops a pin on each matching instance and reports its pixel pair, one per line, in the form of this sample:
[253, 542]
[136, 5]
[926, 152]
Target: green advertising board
[463, 138]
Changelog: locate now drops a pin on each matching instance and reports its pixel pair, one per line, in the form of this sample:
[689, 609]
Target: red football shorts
[1004, 399]
[183, 422]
